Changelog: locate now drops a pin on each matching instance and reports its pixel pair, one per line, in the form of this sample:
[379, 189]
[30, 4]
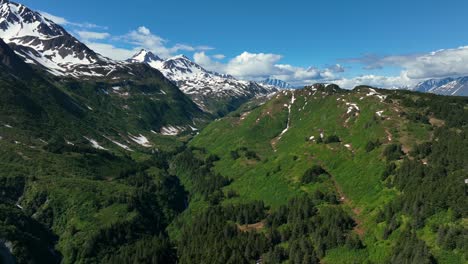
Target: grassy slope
[275, 178]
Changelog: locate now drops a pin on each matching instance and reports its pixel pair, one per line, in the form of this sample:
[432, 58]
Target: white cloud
[142, 37]
[219, 56]
[437, 64]
[206, 61]
[442, 63]
[259, 66]
[89, 35]
[144, 30]
[391, 82]
[336, 68]
[63, 21]
[111, 51]
[56, 19]
[253, 65]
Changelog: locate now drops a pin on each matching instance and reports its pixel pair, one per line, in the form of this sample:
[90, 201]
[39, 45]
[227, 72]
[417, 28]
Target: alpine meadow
[132, 148]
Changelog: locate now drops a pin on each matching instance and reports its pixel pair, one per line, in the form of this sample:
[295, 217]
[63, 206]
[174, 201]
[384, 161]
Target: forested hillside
[377, 176]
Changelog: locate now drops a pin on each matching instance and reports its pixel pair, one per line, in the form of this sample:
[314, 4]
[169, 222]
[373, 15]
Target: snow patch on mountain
[288, 124]
[95, 144]
[119, 144]
[373, 92]
[352, 107]
[141, 140]
[171, 130]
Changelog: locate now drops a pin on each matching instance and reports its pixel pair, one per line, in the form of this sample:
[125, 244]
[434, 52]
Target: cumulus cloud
[253, 65]
[437, 64]
[144, 31]
[259, 66]
[208, 63]
[390, 82]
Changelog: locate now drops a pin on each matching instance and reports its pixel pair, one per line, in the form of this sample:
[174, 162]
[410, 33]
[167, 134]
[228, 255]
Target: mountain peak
[144, 56]
[180, 56]
[42, 42]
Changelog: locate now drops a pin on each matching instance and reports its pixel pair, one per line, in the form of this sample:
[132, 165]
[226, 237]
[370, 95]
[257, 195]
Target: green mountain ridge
[395, 160]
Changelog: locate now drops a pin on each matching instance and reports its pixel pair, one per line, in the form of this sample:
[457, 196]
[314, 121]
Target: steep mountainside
[123, 97]
[213, 92]
[84, 177]
[447, 86]
[394, 160]
[107, 113]
[43, 43]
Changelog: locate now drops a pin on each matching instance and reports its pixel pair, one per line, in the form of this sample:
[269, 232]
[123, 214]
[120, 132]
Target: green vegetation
[379, 178]
[311, 175]
[393, 166]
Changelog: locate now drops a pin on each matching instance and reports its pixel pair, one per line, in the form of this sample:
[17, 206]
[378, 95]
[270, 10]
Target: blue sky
[377, 41]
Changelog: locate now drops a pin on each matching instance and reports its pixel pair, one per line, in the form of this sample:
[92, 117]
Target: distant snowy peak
[426, 86]
[194, 79]
[446, 86]
[200, 84]
[144, 56]
[176, 68]
[180, 68]
[277, 83]
[42, 42]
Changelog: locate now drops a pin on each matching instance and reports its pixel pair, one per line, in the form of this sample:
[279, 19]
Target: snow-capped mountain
[277, 83]
[48, 46]
[44, 43]
[426, 86]
[446, 86]
[144, 56]
[200, 84]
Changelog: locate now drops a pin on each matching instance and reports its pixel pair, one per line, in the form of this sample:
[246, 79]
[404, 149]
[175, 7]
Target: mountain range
[446, 86]
[278, 83]
[43, 43]
[213, 92]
